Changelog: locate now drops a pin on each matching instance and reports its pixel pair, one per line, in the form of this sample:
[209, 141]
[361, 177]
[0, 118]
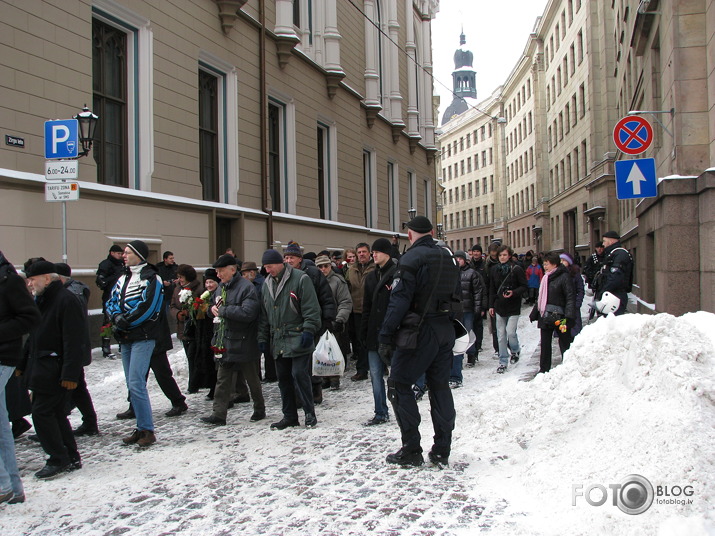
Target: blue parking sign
[636, 179]
[61, 138]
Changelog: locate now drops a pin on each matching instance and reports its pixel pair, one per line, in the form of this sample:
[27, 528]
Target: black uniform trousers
[49, 415]
[432, 357]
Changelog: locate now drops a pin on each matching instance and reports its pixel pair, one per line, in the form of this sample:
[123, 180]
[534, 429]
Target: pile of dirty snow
[635, 395]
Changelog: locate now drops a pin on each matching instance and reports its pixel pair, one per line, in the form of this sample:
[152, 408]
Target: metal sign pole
[64, 232]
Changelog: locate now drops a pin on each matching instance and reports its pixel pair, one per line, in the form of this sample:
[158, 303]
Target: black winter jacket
[18, 314]
[472, 290]
[376, 296]
[560, 292]
[108, 271]
[58, 344]
[503, 277]
[616, 272]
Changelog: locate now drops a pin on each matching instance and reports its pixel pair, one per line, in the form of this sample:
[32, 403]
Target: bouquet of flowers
[196, 307]
[561, 325]
[217, 345]
[106, 331]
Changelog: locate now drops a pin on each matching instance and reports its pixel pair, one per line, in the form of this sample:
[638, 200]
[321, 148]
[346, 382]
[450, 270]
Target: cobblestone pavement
[244, 477]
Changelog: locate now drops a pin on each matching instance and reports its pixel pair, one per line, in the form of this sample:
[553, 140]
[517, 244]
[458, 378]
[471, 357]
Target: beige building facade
[589, 64]
[221, 124]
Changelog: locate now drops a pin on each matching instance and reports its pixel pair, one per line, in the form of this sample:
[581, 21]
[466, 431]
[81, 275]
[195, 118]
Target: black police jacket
[426, 282]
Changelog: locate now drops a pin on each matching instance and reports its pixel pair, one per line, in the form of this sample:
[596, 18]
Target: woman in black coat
[555, 308]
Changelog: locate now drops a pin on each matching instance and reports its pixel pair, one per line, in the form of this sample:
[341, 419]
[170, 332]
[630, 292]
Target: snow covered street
[635, 395]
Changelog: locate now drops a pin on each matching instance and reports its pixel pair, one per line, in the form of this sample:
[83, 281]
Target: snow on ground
[635, 395]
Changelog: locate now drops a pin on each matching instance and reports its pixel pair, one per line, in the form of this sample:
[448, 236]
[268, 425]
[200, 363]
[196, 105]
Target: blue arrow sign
[636, 179]
[61, 138]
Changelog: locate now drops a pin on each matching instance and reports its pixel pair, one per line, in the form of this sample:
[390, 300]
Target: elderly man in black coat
[58, 353]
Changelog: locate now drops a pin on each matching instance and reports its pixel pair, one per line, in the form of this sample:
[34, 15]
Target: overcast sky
[496, 32]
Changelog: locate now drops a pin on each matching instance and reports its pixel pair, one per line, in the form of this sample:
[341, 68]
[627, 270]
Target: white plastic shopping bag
[327, 358]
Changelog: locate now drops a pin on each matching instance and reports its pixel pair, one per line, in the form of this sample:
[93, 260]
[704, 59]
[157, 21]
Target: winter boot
[107, 348]
[317, 393]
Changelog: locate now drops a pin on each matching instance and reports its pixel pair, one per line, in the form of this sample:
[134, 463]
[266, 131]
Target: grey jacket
[240, 315]
[341, 293]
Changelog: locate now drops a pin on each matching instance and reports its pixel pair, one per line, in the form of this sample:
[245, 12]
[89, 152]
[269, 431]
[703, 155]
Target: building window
[323, 170]
[208, 136]
[582, 98]
[579, 46]
[276, 171]
[109, 81]
[368, 171]
[393, 197]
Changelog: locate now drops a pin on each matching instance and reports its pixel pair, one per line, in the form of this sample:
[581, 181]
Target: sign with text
[61, 169]
[62, 191]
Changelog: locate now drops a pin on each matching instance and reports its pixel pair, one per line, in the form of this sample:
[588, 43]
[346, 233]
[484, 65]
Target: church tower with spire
[463, 81]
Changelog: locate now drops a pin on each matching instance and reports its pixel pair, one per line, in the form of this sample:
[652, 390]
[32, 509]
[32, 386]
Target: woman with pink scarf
[555, 308]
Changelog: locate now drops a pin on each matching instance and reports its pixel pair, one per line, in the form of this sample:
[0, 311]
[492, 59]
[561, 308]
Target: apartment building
[221, 124]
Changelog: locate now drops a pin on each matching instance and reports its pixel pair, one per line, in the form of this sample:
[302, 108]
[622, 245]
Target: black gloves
[338, 327]
[121, 322]
[306, 339]
[385, 353]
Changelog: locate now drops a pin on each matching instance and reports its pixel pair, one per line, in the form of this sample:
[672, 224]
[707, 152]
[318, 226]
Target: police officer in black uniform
[616, 275]
[424, 294]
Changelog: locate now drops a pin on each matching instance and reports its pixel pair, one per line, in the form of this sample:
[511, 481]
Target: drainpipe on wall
[263, 122]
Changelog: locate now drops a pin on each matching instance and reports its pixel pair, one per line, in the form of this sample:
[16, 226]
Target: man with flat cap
[616, 275]
[236, 306]
[418, 326]
[58, 352]
[137, 312]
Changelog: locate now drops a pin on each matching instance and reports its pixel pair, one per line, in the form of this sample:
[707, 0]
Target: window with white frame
[370, 182]
[411, 190]
[327, 170]
[218, 119]
[393, 197]
[281, 155]
[122, 85]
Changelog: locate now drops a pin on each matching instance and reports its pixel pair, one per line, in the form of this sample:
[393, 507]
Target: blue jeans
[377, 369]
[506, 335]
[9, 474]
[136, 357]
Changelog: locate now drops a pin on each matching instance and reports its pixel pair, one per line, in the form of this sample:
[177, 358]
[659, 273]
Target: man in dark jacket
[58, 353]
[376, 296]
[289, 320]
[477, 261]
[616, 275]
[507, 284]
[81, 399]
[593, 264]
[425, 294]
[18, 314]
[328, 307]
[237, 307]
[136, 309]
[108, 271]
[472, 287]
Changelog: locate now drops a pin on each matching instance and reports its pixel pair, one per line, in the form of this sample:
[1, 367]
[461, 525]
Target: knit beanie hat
[293, 249]
[382, 245]
[271, 256]
[140, 248]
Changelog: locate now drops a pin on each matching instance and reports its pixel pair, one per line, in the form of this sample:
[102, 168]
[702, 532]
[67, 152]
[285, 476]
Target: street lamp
[87, 123]
[412, 213]
[439, 231]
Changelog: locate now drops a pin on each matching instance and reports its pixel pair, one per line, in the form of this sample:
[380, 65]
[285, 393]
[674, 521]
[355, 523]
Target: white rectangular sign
[62, 191]
[61, 169]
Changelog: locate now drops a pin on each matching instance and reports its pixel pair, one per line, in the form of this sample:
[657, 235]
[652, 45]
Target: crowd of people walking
[242, 325]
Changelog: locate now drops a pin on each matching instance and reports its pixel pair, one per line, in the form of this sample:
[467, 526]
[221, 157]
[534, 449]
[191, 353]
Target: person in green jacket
[289, 320]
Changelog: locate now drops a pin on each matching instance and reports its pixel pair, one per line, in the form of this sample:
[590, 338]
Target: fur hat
[40, 268]
[63, 269]
[210, 273]
[140, 248]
